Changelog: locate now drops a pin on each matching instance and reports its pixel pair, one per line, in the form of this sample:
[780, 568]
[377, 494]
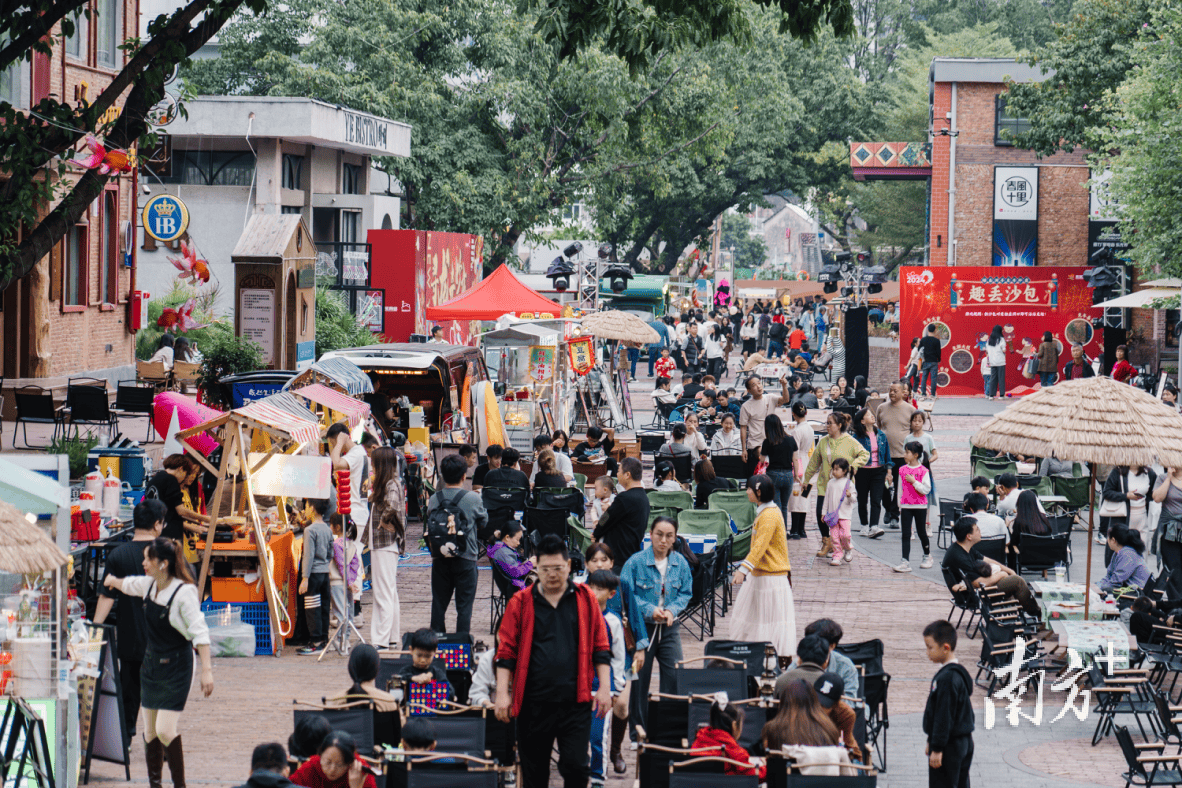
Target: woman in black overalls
[175, 626]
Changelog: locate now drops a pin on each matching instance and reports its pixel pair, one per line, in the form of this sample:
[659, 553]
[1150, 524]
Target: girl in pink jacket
[914, 484]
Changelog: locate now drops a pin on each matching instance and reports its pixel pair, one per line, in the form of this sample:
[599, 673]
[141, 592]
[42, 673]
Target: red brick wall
[96, 337]
[1063, 193]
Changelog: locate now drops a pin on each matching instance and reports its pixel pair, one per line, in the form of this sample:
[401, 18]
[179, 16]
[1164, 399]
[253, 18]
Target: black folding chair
[34, 405]
[1124, 692]
[725, 675]
[965, 601]
[503, 588]
[652, 759]
[950, 512]
[566, 499]
[754, 718]
[729, 466]
[744, 651]
[134, 399]
[1042, 553]
[700, 609]
[1140, 756]
[683, 466]
[502, 505]
[708, 772]
[994, 549]
[541, 522]
[389, 667]
[87, 404]
[867, 656]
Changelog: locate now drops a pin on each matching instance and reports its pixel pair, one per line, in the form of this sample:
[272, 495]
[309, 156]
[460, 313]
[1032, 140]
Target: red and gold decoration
[105, 160]
[582, 355]
[541, 363]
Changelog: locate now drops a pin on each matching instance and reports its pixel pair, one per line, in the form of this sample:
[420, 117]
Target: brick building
[69, 315]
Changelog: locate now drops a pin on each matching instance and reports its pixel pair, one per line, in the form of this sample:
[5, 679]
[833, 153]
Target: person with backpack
[454, 516]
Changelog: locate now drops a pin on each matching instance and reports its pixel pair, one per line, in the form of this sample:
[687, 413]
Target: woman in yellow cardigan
[764, 610]
[838, 443]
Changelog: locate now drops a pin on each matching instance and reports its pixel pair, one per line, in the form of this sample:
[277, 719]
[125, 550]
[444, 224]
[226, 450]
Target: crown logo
[164, 208]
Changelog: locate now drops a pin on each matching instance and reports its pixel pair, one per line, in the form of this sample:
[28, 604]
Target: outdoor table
[1051, 591]
[698, 543]
[1092, 637]
[1065, 610]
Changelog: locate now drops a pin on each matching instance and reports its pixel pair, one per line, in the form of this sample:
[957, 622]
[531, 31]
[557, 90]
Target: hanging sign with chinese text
[541, 363]
[582, 355]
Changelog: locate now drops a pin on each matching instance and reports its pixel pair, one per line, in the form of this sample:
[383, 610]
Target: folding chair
[1124, 692]
[965, 601]
[1075, 490]
[502, 505]
[653, 759]
[87, 404]
[389, 667]
[724, 675]
[184, 374]
[950, 512]
[998, 644]
[867, 656]
[793, 780]
[735, 504]
[994, 549]
[1042, 485]
[445, 769]
[730, 466]
[355, 718]
[753, 654]
[700, 610]
[704, 522]
[566, 499]
[540, 522]
[754, 718]
[134, 399]
[1042, 553]
[503, 588]
[1139, 756]
[34, 405]
[461, 731]
[707, 772]
[664, 499]
[154, 374]
[683, 467]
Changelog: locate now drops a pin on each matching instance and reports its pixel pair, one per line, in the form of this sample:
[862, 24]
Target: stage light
[573, 250]
[559, 273]
[618, 276]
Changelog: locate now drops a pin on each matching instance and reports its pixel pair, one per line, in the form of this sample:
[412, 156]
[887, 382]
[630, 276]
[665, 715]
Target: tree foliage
[1143, 133]
[750, 250]
[34, 148]
[1090, 55]
[336, 326]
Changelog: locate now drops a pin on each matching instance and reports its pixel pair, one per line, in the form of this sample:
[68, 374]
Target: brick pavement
[253, 698]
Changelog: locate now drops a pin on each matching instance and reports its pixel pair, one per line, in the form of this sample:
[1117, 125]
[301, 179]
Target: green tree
[34, 148]
[1144, 130]
[1091, 56]
[750, 250]
[1027, 23]
[336, 326]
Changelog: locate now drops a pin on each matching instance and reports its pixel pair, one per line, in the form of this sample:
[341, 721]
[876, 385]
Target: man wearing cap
[830, 687]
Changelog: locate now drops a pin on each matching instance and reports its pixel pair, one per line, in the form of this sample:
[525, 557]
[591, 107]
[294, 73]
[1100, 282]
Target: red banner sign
[582, 355]
[966, 303]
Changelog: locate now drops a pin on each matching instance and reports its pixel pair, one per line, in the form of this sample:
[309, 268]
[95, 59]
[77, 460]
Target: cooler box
[235, 589]
[129, 464]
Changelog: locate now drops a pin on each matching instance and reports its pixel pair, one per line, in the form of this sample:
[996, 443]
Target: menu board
[256, 315]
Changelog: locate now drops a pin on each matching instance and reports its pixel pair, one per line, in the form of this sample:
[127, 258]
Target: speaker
[418, 338]
[857, 344]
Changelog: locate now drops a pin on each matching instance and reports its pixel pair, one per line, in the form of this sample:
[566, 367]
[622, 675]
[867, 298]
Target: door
[290, 333]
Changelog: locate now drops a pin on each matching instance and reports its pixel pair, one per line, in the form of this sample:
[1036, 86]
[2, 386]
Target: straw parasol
[622, 326]
[1094, 420]
[24, 547]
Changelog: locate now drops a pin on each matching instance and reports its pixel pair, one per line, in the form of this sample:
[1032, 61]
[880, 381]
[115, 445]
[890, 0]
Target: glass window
[77, 45]
[351, 179]
[14, 81]
[75, 263]
[212, 168]
[293, 168]
[108, 32]
[1006, 126]
[291, 209]
[572, 212]
[1171, 327]
[350, 226]
[109, 258]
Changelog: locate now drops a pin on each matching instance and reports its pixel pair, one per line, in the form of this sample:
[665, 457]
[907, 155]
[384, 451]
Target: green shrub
[223, 355]
[336, 326]
[77, 450]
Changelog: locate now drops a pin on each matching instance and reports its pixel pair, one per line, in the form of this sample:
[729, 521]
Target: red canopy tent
[501, 293]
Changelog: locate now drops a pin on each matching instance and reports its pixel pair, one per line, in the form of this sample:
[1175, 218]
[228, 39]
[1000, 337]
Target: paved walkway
[253, 698]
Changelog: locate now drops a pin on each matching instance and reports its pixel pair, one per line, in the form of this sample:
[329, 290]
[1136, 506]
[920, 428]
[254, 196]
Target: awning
[286, 413]
[1140, 298]
[354, 411]
[340, 371]
[520, 335]
[499, 293]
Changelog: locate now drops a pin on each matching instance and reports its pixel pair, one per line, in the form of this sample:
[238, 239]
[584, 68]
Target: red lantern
[344, 502]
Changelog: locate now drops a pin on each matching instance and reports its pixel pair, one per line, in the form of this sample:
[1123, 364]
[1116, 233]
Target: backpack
[446, 528]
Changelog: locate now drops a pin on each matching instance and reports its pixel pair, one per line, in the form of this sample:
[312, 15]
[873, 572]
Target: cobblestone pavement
[253, 698]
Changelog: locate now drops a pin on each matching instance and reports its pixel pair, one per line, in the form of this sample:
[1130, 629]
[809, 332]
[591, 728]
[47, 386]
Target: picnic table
[1059, 592]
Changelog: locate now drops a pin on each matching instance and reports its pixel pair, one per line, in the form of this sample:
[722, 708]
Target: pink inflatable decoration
[189, 414]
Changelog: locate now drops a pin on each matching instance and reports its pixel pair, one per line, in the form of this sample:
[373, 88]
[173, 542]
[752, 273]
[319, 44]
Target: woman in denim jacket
[870, 482]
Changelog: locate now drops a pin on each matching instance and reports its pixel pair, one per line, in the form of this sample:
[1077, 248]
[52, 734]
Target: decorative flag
[582, 355]
[541, 363]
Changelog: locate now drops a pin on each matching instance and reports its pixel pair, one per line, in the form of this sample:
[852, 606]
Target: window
[1171, 326]
[350, 226]
[108, 32]
[291, 209]
[77, 45]
[212, 168]
[77, 282]
[293, 169]
[1006, 126]
[351, 179]
[109, 256]
[14, 82]
[572, 212]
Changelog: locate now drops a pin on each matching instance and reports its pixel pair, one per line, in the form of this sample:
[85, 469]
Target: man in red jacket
[552, 639]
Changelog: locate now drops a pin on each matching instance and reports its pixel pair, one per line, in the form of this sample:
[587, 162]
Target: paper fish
[106, 161]
[180, 318]
[190, 266]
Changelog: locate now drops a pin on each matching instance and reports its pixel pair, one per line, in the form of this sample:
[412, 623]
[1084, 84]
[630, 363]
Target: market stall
[262, 456]
[528, 362]
[499, 293]
[606, 388]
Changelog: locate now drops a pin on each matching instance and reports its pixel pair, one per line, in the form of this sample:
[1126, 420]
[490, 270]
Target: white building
[239, 155]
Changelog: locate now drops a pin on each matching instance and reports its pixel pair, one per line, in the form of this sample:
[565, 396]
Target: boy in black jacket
[948, 716]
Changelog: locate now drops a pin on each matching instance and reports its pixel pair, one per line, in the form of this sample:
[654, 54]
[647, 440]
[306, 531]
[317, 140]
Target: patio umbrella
[622, 326]
[1094, 420]
[24, 547]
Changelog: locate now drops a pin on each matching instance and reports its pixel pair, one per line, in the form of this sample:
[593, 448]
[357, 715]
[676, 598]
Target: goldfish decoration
[180, 318]
[106, 161]
[190, 266]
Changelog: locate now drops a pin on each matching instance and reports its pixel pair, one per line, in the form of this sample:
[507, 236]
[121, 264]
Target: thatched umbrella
[621, 326]
[1094, 420]
[24, 547]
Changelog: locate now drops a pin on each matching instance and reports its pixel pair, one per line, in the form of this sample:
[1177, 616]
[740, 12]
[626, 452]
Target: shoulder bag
[831, 518]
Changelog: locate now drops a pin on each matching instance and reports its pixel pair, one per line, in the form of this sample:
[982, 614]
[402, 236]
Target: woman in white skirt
[764, 610]
[802, 433]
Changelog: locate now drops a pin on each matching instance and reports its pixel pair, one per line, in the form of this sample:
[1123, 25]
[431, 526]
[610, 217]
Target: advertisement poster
[966, 302]
[1015, 215]
[541, 363]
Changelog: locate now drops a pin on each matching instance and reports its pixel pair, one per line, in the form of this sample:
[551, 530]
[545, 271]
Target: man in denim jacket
[657, 584]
